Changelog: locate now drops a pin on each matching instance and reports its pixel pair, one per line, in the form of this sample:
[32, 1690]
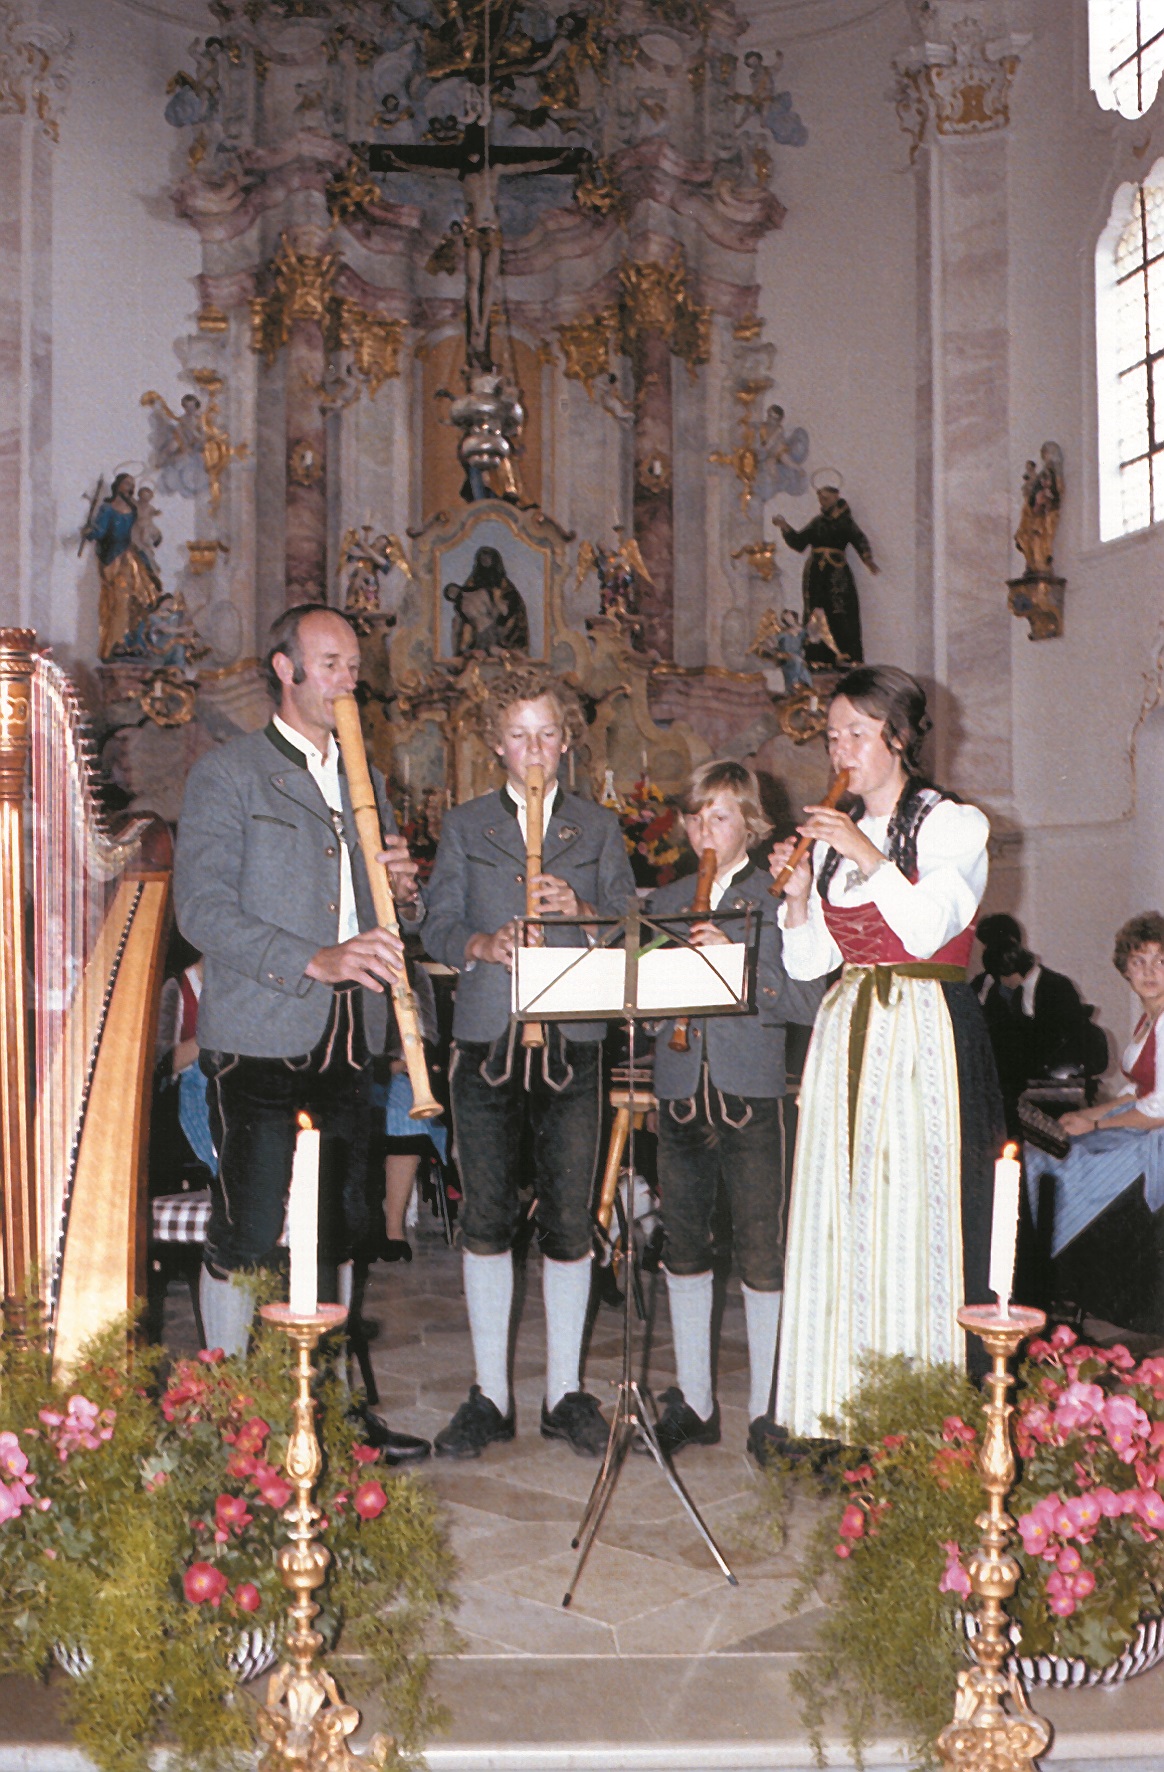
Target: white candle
[1004, 1225]
[303, 1220]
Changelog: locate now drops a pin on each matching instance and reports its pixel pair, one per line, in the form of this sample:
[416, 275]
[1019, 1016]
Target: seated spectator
[177, 1048]
[1117, 1145]
[1040, 1028]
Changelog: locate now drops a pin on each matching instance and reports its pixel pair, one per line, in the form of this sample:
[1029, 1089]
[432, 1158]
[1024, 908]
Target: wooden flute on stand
[680, 1040]
[425, 1106]
[533, 1033]
[838, 788]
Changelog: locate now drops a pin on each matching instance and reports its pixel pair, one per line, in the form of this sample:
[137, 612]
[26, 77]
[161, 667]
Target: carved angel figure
[179, 443]
[366, 559]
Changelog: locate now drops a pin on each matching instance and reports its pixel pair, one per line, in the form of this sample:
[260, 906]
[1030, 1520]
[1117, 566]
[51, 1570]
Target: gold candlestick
[305, 1721]
[982, 1735]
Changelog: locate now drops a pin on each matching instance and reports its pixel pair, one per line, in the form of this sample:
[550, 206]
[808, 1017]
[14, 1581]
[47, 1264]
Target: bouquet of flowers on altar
[650, 832]
[895, 1545]
[140, 1516]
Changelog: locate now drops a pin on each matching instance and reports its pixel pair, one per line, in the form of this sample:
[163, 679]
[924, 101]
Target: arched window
[1127, 53]
[1130, 358]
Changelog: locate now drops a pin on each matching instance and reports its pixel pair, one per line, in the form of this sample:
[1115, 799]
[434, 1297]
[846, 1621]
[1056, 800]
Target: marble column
[654, 511]
[954, 100]
[305, 534]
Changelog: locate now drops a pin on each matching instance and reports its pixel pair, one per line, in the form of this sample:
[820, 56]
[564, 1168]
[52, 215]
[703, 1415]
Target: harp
[84, 912]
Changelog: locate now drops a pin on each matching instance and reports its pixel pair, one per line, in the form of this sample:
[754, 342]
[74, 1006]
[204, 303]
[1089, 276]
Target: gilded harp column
[17, 1199]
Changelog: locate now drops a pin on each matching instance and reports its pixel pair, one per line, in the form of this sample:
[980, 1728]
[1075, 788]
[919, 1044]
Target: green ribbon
[879, 978]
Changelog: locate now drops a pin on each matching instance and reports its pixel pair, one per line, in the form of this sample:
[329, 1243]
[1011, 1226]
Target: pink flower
[955, 1431]
[247, 1596]
[852, 1522]
[365, 1454]
[9, 1506]
[202, 1581]
[954, 1579]
[1062, 1337]
[1083, 1584]
[1035, 1527]
[50, 1418]
[240, 1464]
[1078, 1407]
[1062, 1605]
[230, 1513]
[211, 1356]
[1150, 1507]
[252, 1434]
[13, 1461]
[843, 1550]
[1068, 1560]
[1125, 1423]
[893, 1441]
[274, 1491]
[370, 1500]
[1084, 1512]
[1119, 1358]
[1109, 1503]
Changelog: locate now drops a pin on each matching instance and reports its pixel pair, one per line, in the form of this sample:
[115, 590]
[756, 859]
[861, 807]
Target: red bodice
[865, 939]
[1143, 1072]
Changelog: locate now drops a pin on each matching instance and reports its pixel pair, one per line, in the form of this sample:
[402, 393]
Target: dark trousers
[714, 1138]
[501, 1090]
[253, 1103]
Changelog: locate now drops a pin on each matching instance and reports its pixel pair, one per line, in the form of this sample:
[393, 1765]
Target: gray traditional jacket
[478, 884]
[744, 1053]
[256, 889]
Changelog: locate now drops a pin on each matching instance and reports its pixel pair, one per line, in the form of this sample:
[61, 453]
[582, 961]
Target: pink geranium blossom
[13, 1459]
[203, 1582]
[954, 1579]
[247, 1596]
[1125, 1423]
[1078, 1407]
[370, 1500]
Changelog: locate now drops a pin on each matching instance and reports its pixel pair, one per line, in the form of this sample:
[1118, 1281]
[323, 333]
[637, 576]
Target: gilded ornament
[204, 555]
[351, 191]
[168, 697]
[217, 449]
[653, 473]
[656, 299]
[598, 193]
[962, 88]
[748, 329]
[375, 341]
[304, 464]
[761, 557]
[300, 289]
[586, 346]
[212, 319]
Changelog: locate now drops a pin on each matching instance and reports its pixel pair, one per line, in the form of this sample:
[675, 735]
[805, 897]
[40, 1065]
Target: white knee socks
[227, 1307]
[566, 1296]
[762, 1315]
[489, 1297]
[690, 1299]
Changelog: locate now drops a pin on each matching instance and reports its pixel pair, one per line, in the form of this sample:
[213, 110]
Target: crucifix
[479, 163]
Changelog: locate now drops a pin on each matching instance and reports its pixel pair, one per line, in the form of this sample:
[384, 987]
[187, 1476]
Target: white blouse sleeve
[952, 867]
[1151, 1106]
[809, 951]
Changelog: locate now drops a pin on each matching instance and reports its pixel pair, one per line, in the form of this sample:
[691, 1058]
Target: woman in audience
[900, 1112]
[1139, 1106]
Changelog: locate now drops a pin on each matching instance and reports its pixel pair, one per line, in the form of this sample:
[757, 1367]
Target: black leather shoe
[767, 1440]
[477, 1424]
[392, 1447]
[577, 1419]
[679, 1426]
[396, 1249]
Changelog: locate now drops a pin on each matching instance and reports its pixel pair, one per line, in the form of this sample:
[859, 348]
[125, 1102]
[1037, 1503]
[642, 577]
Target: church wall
[114, 268]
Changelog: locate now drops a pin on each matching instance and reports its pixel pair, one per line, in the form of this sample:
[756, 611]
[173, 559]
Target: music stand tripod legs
[633, 1419]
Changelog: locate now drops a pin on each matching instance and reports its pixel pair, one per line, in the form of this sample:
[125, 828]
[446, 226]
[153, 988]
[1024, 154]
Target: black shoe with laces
[578, 1420]
[679, 1426]
[477, 1424]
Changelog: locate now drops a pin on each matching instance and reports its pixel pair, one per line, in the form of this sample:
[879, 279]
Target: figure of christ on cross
[479, 163]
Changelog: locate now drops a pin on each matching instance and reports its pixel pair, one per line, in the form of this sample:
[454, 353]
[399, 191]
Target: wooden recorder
[838, 788]
[367, 815]
[680, 1040]
[533, 1033]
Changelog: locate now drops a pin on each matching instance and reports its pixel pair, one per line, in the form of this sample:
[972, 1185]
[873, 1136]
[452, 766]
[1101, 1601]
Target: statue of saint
[130, 582]
[1042, 496]
[489, 611]
[828, 577]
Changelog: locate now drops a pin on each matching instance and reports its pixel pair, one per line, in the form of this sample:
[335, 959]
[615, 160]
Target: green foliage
[889, 1557]
[136, 1475]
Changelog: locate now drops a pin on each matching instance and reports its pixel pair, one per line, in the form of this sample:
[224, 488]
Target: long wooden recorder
[680, 1040]
[425, 1106]
[838, 788]
[533, 1033]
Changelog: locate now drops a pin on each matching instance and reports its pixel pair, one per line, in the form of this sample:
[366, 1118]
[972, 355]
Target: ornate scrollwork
[586, 346]
[35, 60]
[351, 191]
[963, 88]
[657, 298]
[374, 340]
[302, 286]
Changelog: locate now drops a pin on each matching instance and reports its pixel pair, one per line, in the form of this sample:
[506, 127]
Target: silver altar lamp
[490, 418]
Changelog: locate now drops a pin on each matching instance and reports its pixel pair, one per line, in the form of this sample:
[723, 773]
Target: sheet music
[573, 981]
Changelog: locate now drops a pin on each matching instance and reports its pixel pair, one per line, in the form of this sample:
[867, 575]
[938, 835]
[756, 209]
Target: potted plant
[139, 1518]
[891, 1551]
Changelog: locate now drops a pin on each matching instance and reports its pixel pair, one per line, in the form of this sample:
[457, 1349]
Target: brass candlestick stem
[982, 1735]
[305, 1721]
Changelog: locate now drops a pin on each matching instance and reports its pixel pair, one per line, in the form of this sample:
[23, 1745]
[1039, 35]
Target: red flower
[211, 1356]
[252, 1434]
[369, 1500]
[893, 1441]
[843, 1550]
[247, 1596]
[852, 1522]
[365, 1454]
[202, 1581]
[274, 1491]
[955, 1431]
[230, 1513]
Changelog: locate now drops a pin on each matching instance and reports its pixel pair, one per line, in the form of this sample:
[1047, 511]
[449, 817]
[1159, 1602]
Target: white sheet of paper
[560, 981]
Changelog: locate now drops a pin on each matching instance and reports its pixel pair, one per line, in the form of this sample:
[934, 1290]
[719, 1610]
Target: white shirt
[1152, 1106]
[323, 768]
[719, 887]
[952, 868]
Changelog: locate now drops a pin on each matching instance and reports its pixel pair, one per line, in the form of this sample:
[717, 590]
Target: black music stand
[635, 1415]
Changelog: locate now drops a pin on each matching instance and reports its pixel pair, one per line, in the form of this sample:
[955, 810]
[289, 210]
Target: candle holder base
[983, 1737]
[305, 1722]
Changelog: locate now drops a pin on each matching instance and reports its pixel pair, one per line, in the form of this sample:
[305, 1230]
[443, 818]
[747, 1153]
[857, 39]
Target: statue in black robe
[828, 578]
